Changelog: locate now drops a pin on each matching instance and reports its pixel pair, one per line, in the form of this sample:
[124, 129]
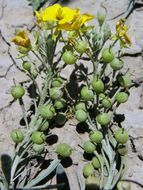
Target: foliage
[94, 103]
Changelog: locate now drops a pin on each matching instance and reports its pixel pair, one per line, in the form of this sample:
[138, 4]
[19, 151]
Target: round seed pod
[81, 115]
[106, 103]
[86, 93]
[57, 82]
[80, 106]
[89, 147]
[97, 85]
[103, 119]
[17, 135]
[17, 91]
[56, 93]
[60, 103]
[92, 182]
[96, 136]
[38, 148]
[44, 127]
[88, 170]
[121, 97]
[121, 136]
[64, 150]
[26, 65]
[60, 118]
[125, 81]
[122, 150]
[121, 185]
[81, 46]
[47, 111]
[69, 58]
[38, 137]
[95, 162]
[107, 55]
[116, 64]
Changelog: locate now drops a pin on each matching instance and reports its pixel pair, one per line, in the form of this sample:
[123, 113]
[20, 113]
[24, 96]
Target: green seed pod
[116, 64]
[101, 15]
[107, 55]
[123, 185]
[97, 85]
[38, 137]
[121, 136]
[17, 91]
[47, 111]
[125, 81]
[88, 170]
[69, 58]
[81, 115]
[56, 93]
[103, 119]
[81, 46]
[106, 103]
[96, 136]
[38, 148]
[121, 97]
[26, 65]
[102, 96]
[80, 106]
[44, 127]
[122, 150]
[86, 93]
[89, 147]
[57, 82]
[17, 135]
[96, 163]
[92, 182]
[64, 150]
[60, 103]
[60, 118]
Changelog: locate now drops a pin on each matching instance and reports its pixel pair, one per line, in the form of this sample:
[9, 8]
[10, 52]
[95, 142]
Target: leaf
[62, 178]
[36, 4]
[43, 174]
[6, 164]
[80, 178]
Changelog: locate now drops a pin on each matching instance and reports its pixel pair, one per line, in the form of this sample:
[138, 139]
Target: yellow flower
[56, 13]
[66, 18]
[22, 39]
[121, 33]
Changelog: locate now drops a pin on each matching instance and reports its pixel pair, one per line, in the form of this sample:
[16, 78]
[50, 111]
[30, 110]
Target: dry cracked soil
[18, 14]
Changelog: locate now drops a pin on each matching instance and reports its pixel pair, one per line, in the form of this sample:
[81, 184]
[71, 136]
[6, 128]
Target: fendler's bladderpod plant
[99, 94]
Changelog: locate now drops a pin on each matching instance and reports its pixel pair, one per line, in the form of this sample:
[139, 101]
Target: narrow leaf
[43, 174]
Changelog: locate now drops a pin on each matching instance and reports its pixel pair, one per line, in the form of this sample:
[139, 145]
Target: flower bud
[69, 58]
[97, 85]
[60, 103]
[116, 64]
[81, 46]
[101, 15]
[26, 65]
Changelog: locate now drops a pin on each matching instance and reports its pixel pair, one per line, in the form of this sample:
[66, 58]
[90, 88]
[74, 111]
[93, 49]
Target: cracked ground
[18, 14]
